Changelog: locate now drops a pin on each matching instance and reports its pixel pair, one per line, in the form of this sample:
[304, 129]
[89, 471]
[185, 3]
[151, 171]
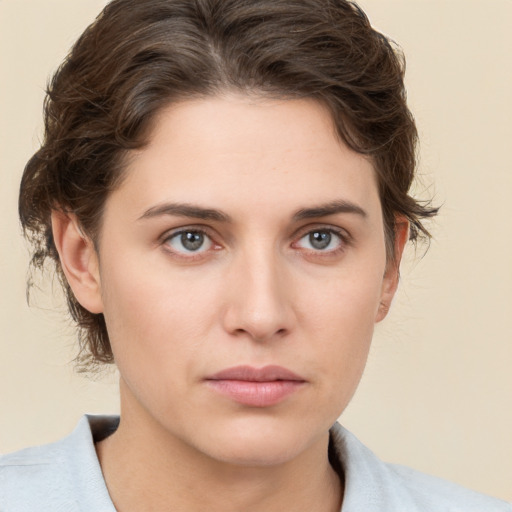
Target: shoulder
[63, 475]
[373, 485]
[30, 476]
[432, 493]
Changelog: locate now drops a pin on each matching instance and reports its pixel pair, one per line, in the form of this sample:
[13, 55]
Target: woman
[223, 187]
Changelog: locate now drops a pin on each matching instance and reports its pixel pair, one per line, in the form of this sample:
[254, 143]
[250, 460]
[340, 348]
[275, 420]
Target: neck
[147, 468]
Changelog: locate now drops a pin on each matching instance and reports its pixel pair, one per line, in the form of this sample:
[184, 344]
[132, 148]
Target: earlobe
[79, 260]
[391, 277]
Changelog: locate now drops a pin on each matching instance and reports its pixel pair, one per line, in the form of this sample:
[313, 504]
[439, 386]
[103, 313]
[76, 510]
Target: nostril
[260, 336]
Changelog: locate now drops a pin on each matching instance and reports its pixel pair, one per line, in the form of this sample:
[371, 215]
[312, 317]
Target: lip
[256, 387]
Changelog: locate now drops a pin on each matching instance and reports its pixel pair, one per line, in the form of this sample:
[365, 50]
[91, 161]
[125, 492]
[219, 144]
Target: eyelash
[344, 240]
[189, 255]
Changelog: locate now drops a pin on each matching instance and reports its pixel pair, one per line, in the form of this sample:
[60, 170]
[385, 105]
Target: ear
[79, 260]
[392, 274]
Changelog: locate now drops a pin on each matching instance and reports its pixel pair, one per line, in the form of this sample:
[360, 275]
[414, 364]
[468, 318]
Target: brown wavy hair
[140, 55]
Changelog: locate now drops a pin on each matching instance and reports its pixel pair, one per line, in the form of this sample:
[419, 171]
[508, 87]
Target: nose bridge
[259, 304]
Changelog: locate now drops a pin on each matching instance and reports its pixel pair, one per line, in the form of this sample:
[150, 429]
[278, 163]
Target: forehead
[241, 151]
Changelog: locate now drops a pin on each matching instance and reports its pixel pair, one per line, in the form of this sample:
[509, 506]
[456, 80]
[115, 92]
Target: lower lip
[256, 394]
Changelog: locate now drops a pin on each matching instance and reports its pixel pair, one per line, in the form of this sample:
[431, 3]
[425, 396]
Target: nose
[259, 292]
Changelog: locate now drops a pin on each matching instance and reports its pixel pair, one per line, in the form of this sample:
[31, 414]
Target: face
[242, 267]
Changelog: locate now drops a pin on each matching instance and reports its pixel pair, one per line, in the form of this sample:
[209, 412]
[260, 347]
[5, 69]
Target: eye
[324, 240]
[189, 241]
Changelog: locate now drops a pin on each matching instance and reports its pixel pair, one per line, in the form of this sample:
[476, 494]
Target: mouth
[256, 387]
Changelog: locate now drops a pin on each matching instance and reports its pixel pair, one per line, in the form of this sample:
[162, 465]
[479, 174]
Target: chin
[260, 444]
[255, 454]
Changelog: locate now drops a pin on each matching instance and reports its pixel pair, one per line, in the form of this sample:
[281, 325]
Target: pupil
[320, 239]
[192, 241]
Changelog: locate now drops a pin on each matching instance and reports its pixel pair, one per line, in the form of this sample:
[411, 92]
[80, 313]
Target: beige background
[437, 393]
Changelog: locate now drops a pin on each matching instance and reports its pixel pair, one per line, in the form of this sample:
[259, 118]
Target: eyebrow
[186, 210]
[331, 208]
[198, 212]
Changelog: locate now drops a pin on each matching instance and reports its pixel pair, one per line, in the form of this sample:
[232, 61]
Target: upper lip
[248, 373]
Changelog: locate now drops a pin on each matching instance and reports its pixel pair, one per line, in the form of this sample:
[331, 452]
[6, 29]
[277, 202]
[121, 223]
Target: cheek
[341, 321]
[158, 328]
[348, 301]
[154, 315]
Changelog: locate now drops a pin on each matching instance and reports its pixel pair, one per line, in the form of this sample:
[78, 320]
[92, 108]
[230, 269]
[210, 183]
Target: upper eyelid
[299, 233]
[186, 256]
[346, 241]
[183, 229]
[337, 234]
[304, 230]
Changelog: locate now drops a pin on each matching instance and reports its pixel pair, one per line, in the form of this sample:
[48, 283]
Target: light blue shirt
[65, 476]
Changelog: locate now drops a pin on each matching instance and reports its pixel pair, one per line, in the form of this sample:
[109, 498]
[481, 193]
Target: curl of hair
[140, 55]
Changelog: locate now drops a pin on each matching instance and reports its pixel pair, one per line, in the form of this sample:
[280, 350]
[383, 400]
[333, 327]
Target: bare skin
[182, 479]
[245, 235]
